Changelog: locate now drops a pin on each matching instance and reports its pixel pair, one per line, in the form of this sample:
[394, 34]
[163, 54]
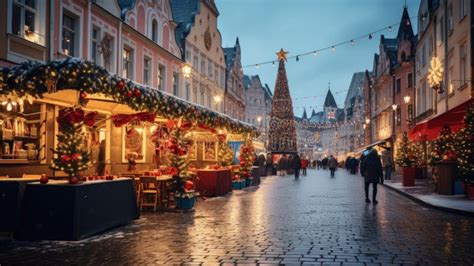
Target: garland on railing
[36, 78]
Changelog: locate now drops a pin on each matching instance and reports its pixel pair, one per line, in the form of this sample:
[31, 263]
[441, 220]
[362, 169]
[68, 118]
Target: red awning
[430, 129]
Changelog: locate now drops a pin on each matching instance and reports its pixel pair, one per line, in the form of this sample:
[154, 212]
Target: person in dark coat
[372, 172]
[269, 164]
[297, 165]
[324, 162]
[332, 164]
[282, 165]
[289, 165]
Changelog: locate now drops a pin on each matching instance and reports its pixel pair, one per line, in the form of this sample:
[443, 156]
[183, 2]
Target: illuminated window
[69, 34]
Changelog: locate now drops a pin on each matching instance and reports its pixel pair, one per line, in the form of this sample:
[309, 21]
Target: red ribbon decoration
[72, 116]
[122, 119]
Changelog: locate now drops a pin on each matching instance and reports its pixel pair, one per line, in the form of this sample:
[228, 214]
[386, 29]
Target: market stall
[73, 119]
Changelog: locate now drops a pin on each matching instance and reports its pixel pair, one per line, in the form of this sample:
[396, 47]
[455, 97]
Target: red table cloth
[213, 183]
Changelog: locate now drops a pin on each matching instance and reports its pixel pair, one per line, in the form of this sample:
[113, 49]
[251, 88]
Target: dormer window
[154, 30]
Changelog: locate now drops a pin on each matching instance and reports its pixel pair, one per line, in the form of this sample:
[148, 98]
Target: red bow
[122, 119]
[67, 158]
[72, 116]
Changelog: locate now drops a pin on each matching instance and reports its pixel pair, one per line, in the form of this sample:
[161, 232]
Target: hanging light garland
[333, 47]
[31, 80]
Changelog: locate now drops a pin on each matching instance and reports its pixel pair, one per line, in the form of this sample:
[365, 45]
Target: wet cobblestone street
[314, 220]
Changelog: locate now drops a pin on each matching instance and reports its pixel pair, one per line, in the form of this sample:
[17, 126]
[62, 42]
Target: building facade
[389, 87]
[258, 105]
[234, 98]
[200, 43]
[445, 33]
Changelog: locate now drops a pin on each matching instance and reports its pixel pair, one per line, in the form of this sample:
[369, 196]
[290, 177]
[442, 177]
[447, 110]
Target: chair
[148, 191]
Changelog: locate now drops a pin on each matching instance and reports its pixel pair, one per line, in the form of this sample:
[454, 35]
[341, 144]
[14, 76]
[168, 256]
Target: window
[398, 85]
[196, 61]
[423, 56]
[107, 49]
[203, 65]
[216, 75]
[146, 71]
[154, 30]
[441, 30]
[195, 97]
[70, 31]
[410, 80]
[201, 102]
[161, 77]
[209, 70]
[431, 46]
[23, 19]
[127, 57]
[222, 78]
[462, 9]
[449, 80]
[450, 19]
[175, 82]
[95, 40]
[463, 64]
[188, 56]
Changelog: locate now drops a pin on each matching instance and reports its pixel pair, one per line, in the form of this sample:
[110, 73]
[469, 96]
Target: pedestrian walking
[269, 164]
[332, 164]
[387, 162]
[282, 165]
[353, 164]
[296, 165]
[372, 172]
[304, 165]
[289, 165]
[324, 162]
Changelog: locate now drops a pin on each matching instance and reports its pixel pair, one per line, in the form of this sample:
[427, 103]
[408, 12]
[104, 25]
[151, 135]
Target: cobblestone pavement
[316, 220]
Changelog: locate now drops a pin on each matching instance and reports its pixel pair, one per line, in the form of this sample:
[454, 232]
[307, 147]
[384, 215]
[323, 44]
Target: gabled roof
[268, 91]
[313, 113]
[184, 13]
[305, 116]
[230, 54]
[330, 101]
[405, 31]
[247, 81]
[355, 90]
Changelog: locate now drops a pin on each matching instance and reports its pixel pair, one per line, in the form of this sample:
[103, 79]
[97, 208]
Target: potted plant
[408, 158]
[246, 159]
[443, 161]
[178, 145]
[465, 152]
[71, 156]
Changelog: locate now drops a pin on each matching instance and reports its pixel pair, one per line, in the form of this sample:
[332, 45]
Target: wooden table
[214, 183]
[162, 180]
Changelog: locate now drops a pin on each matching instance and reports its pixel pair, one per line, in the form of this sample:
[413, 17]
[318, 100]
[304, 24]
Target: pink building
[141, 47]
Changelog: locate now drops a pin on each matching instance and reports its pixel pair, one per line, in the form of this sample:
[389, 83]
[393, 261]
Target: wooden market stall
[119, 133]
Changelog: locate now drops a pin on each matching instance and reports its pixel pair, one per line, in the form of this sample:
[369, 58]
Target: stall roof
[40, 79]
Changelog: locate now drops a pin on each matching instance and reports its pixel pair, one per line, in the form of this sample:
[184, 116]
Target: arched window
[154, 30]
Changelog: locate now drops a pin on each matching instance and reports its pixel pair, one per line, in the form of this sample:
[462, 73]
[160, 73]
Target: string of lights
[333, 47]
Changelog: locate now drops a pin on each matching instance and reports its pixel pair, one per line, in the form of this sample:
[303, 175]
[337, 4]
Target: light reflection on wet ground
[313, 220]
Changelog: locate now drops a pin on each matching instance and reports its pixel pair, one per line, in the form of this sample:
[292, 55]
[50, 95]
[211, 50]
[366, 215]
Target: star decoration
[282, 55]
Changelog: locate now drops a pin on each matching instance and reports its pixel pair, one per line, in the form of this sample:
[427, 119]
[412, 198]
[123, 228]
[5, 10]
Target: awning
[376, 143]
[430, 129]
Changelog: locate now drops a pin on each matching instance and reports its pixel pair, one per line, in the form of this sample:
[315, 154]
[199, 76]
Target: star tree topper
[282, 55]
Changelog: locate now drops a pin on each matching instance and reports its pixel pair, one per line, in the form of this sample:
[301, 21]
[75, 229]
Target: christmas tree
[409, 154]
[225, 153]
[246, 158]
[178, 145]
[282, 131]
[465, 146]
[71, 155]
[443, 146]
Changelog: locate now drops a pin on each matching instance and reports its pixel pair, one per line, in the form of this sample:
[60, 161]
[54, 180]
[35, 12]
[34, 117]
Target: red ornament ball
[83, 95]
[137, 93]
[73, 180]
[44, 179]
[129, 94]
[188, 185]
[120, 85]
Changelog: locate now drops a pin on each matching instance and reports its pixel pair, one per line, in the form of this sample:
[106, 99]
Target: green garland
[37, 78]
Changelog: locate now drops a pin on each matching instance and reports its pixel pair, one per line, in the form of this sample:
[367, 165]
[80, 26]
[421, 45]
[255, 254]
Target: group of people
[292, 164]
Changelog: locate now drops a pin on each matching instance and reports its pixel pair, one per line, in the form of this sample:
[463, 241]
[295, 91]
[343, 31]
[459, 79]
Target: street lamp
[394, 107]
[217, 99]
[367, 121]
[186, 68]
[407, 99]
[259, 119]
